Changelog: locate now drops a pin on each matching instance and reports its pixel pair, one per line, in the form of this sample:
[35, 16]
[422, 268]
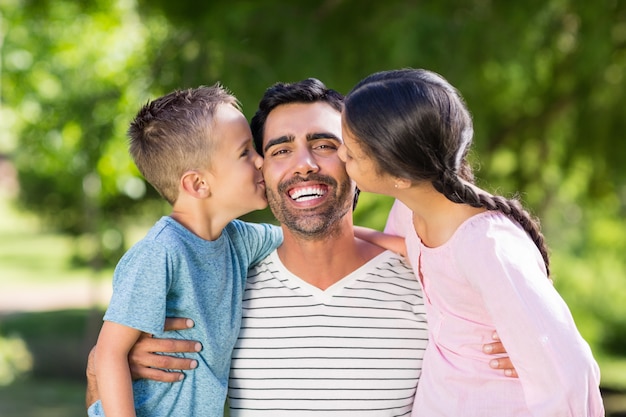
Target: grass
[28, 254]
[58, 343]
[43, 397]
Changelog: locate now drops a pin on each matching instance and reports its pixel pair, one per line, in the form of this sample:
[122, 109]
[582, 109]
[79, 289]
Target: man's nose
[305, 163]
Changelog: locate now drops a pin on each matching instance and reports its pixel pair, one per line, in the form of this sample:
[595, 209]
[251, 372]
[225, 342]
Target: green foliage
[544, 80]
[46, 325]
[72, 74]
[57, 341]
[15, 359]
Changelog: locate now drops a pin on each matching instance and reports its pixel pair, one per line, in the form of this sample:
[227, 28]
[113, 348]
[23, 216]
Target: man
[332, 325]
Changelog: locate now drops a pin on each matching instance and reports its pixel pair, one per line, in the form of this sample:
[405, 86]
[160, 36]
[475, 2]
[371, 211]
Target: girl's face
[361, 167]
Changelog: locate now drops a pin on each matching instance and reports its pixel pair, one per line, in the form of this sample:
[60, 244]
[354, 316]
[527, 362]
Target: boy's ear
[195, 184]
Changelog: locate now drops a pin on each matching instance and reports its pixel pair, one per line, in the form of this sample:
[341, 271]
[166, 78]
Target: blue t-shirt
[174, 273]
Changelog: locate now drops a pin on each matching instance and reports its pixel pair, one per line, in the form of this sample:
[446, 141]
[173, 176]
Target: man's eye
[279, 152]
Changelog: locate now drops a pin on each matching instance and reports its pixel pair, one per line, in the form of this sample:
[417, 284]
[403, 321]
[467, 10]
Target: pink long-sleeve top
[489, 275]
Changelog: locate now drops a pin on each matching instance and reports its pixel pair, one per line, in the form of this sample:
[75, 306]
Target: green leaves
[543, 79]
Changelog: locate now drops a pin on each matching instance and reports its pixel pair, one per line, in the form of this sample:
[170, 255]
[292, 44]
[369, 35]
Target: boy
[195, 147]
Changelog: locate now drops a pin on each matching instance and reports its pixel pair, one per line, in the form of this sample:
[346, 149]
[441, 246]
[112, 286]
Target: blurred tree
[544, 80]
[73, 72]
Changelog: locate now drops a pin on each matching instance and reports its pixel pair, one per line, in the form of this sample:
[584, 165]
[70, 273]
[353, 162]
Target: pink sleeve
[555, 364]
[399, 219]
[400, 223]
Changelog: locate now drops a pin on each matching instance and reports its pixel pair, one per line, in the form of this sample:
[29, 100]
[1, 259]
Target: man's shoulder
[390, 267]
[264, 263]
[390, 263]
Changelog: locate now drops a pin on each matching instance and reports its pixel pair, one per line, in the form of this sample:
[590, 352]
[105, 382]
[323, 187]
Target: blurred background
[545, 81]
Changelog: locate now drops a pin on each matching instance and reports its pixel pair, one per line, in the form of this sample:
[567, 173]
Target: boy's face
[307, 186]
[237, 184]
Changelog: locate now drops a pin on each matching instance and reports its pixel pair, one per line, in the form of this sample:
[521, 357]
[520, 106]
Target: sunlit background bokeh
[545, 81]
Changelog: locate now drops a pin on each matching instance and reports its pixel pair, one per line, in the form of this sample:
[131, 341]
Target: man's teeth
[307, 193]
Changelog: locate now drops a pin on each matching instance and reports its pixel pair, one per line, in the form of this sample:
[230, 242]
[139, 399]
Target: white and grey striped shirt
[354, 349]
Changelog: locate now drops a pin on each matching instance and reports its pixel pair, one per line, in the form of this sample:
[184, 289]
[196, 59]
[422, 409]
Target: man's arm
[91, 396]
[387, 241]
[500, 363]
[143, 360]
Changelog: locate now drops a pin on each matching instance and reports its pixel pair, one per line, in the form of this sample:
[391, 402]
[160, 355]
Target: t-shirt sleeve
[260, 239]
[532, 320]
[140, 284]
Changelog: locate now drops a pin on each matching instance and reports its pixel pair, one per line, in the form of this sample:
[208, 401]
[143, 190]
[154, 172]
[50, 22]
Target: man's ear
[195, 184]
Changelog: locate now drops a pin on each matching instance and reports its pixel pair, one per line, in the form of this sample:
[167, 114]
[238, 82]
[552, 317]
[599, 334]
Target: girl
[481, 258]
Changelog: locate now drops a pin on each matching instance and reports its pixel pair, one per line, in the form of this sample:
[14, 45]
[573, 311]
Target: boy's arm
[112, 371]
[393, 243]
[144, 363]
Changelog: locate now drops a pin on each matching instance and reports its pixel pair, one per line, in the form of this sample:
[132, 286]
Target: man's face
[307, 186]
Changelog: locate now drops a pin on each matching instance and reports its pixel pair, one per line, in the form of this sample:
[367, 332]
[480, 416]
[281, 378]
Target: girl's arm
[393, 243]
[533, 321]
[112, 370]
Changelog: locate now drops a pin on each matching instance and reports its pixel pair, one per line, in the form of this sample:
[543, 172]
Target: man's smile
[307, 193]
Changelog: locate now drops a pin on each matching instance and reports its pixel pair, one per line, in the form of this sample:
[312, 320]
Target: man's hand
[91, 396]
[143, 360]
[499, 363]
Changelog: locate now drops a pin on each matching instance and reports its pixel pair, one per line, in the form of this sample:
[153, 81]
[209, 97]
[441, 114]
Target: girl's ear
[195, 184]
[402, 183]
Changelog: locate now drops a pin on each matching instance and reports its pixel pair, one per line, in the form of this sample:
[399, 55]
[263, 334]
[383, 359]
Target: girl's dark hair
[416, 125]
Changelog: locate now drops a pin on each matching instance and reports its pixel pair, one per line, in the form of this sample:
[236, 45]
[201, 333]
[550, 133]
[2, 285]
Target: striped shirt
[354, 349]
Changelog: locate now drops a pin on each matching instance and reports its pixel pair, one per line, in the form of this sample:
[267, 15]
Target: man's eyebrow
[309, 137]
[322, 135]
[278, 141]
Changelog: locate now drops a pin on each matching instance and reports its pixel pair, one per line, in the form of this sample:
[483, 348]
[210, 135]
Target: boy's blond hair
[172, 135]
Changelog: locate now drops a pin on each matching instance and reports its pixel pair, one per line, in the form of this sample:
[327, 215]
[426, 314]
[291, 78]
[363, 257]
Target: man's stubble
[317, 222]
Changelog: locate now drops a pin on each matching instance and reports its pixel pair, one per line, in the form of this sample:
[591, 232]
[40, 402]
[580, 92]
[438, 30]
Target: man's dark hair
[310, 90]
